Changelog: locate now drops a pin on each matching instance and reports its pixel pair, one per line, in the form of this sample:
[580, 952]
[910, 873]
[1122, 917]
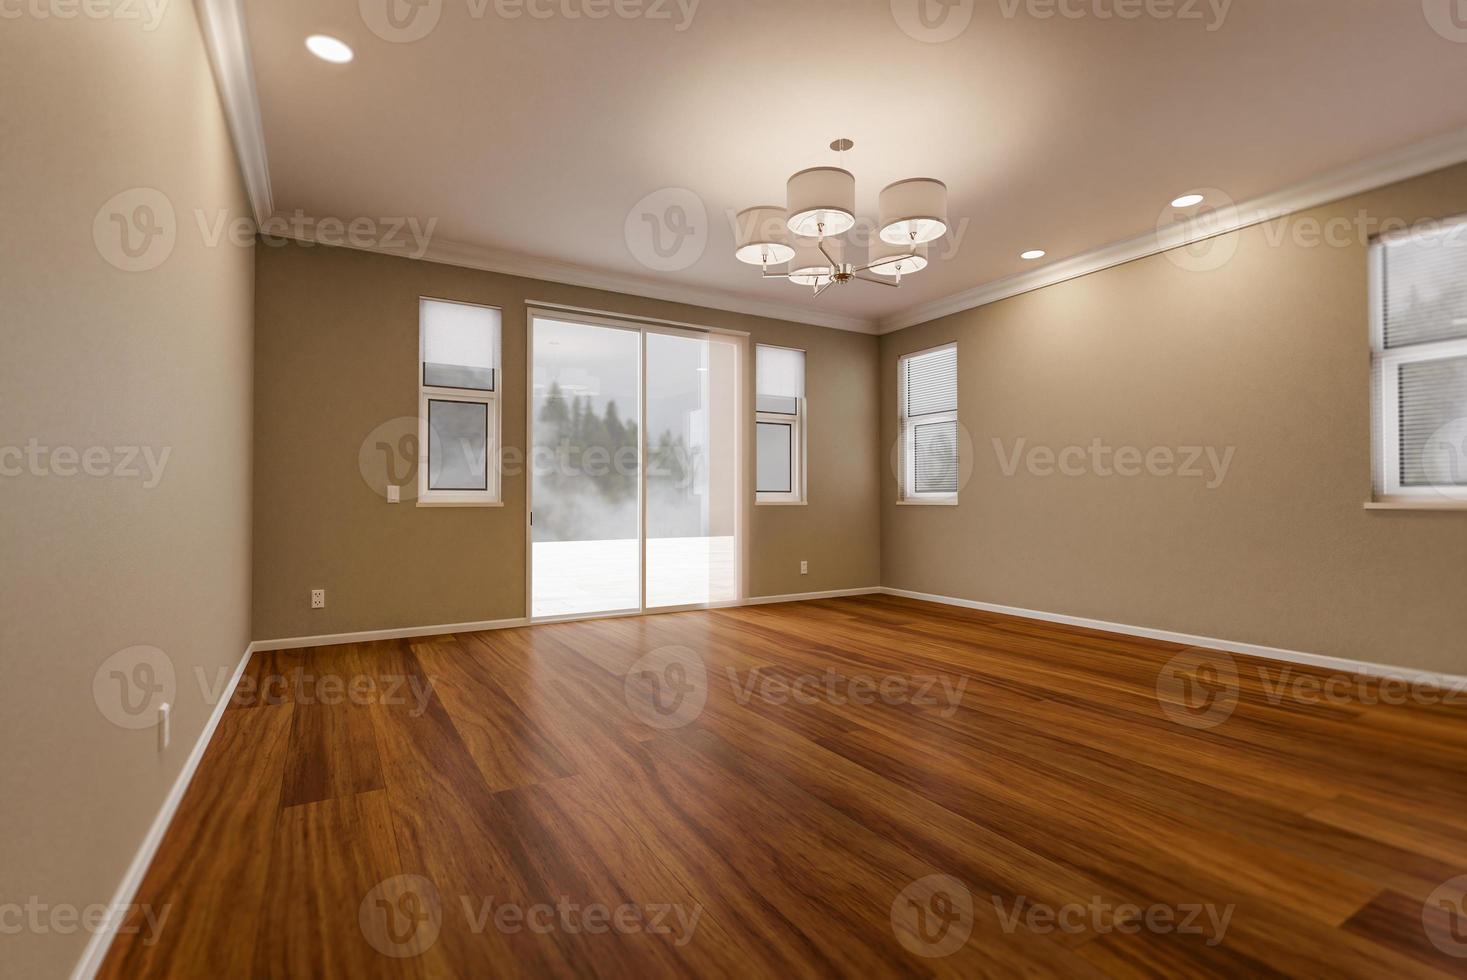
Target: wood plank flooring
[861, 786]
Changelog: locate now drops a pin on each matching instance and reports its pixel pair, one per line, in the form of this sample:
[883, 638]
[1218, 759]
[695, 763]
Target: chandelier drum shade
[913, 212]
[822, 201]
[820, 205]
[763, 236]
[886, 259]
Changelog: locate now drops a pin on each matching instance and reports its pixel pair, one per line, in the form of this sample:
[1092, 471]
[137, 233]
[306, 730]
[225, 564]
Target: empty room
[666, 488]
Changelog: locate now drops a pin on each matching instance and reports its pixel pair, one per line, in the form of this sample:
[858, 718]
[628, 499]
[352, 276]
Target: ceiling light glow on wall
[1033, 253]
[328, 48]
[1187, 201]
[820, 203]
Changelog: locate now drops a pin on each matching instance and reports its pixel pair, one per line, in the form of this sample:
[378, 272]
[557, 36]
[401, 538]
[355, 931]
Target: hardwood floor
[709, 794]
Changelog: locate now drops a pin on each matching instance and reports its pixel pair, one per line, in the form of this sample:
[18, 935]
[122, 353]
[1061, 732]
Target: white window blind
[779, 374]
[1420, 362]
[459, 344]
[779, 404]
[929, 422]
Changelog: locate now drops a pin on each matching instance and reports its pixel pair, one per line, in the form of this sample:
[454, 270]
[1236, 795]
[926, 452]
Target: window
[927, 384]
[779, 403]
[458, 403]
[1419, 339]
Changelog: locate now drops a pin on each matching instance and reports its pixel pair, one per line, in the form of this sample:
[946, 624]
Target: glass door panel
[584, 468]
[691, 472]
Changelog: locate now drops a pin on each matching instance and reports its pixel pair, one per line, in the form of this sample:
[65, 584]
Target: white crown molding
[222, 22]
[228, 44]
[1388, 168]
[300, 227]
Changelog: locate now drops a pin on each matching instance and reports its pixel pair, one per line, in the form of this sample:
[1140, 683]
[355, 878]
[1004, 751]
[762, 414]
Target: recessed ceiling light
[1187, 201]
[328, 48]
[1033, 253]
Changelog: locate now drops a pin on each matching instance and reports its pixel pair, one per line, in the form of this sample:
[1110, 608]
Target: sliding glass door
[585, 428]
[634, 469]
[692, 456]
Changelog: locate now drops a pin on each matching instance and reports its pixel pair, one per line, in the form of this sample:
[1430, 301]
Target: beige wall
[99, 357]
[336, 357]
[1268, 353]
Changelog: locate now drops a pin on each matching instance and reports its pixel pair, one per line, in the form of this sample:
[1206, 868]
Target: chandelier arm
[834, 265]
[775, 275]
[879, 282]
[828, 284]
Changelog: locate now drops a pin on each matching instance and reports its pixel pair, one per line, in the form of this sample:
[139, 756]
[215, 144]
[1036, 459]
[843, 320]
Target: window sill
[944, 502]
[780, 503]
[459, 503]
[1410, 504]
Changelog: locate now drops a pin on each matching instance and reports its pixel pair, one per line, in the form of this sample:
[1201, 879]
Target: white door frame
[642, 326]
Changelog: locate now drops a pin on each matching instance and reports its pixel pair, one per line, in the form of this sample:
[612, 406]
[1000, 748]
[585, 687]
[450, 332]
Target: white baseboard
[127, 889]
[366, 636]
[408, 632]
[760, 600]
[1364, 667]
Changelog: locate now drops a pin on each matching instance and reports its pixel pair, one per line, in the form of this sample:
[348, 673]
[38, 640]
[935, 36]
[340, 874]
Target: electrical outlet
[318, 598]
[804, 568]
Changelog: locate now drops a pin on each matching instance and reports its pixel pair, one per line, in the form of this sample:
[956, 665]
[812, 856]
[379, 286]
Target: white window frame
[490, 496]
[797, 423]
[907, 434]
[1386, 389]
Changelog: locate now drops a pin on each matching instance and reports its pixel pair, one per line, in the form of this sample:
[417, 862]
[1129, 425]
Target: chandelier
[820, 206]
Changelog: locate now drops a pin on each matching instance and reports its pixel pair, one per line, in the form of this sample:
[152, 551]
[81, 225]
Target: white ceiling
[540, 135]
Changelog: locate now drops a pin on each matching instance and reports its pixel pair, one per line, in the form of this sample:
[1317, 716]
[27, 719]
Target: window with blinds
[779, 404]
[927, 384]
[1420, 362]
